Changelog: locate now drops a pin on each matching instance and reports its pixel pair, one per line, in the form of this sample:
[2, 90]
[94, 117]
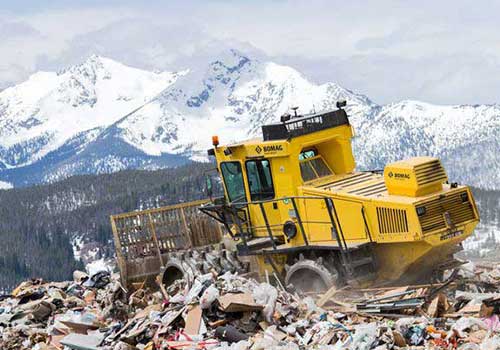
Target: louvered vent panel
[392, 220]
[460, 211]
[430, 172]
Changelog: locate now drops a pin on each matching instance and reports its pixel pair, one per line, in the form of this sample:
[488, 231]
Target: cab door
[261, 194]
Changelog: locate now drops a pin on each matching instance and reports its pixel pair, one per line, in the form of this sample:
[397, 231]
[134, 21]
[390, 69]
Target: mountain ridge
[130, 118]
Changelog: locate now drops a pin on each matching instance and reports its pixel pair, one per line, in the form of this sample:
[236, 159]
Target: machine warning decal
[451, 234]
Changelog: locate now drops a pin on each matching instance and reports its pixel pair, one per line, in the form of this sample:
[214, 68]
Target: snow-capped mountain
[102, 116]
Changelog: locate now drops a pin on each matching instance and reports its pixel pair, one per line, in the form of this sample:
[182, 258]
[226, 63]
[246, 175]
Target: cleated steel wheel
[311, 276]
[188, 265]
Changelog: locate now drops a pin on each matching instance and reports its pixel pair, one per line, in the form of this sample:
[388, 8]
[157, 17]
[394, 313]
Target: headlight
[421, 211]
[290, 229]
[465, 197]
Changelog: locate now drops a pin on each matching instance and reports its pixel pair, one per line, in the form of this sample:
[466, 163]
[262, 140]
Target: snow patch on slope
[60, 105]
[5, 185]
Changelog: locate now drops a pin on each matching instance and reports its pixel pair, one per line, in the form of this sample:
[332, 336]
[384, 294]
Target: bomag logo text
[273, 148]
[401, 176]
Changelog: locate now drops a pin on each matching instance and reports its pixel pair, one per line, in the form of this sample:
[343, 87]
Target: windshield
[233, 179]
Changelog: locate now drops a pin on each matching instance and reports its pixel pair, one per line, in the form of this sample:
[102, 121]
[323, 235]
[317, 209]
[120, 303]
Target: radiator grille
[459, 211]
[430, 172]
[392, 220]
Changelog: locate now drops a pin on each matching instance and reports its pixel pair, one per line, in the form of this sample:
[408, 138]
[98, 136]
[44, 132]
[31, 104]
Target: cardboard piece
[470, 309]
[238, 302]
[82, 342]
[193, 321]
[489, 307]
[55, 341]
[80, 327]
[399, 340]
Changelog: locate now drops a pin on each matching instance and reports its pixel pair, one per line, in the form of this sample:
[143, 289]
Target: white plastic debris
[467, 270]
[465, 323]
[194, 291]
[209, 296]
[492, 343]
[311, 304]
[364, 336]
[266, 295]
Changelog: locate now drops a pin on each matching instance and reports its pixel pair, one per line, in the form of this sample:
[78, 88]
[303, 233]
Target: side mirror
[209, 186]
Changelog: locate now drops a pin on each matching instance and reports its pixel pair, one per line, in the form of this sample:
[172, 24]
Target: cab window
[312, 165]
[233, 179]
[260, 180]
[309, 153]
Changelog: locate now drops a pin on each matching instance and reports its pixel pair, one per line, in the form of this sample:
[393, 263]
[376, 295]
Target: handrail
[269, 231]
[240, 228]
[278, 199]
[341, 233]
[330, 207]
[304, 237]
[367, 228]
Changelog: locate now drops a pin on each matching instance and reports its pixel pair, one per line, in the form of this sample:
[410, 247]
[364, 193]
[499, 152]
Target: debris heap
[233, 312]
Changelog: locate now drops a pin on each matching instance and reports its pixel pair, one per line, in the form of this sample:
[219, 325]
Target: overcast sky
[445, 52]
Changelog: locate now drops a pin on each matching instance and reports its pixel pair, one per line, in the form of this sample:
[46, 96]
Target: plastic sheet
[265, 294]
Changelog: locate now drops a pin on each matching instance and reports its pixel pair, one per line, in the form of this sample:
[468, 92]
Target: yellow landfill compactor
[294, 202]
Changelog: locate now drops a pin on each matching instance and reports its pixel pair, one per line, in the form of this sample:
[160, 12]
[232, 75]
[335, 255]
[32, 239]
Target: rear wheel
[308, 275]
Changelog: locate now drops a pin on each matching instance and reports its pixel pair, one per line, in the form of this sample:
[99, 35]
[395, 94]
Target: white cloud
[442, 52]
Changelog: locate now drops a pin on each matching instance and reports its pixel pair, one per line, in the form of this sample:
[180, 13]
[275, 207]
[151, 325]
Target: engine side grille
[459, 211]
[430, 172]
[392, 220]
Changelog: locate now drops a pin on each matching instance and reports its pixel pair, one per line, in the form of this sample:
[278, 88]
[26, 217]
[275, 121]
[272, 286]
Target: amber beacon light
[215, 140]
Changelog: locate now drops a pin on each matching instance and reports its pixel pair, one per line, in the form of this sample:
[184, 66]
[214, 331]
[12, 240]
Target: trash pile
[229, 311]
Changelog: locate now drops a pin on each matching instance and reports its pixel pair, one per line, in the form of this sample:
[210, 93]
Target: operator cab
[297, 151]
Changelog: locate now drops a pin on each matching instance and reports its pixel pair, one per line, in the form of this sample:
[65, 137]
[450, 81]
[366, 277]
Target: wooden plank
[193, 321]
[327, 296]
